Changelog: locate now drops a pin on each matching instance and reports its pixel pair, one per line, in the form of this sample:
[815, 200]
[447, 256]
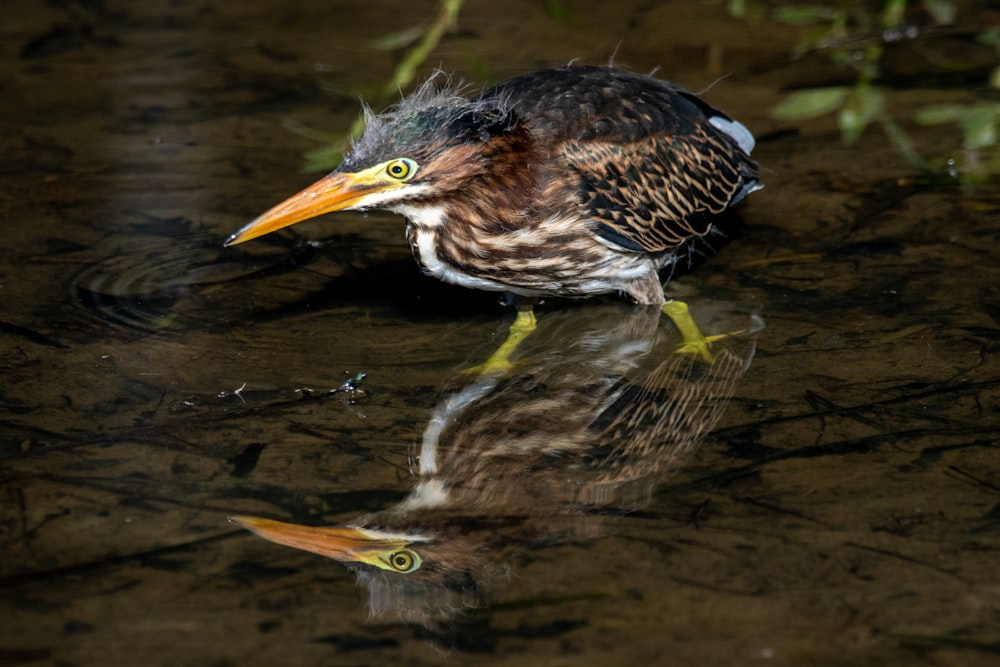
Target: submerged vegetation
[857, 36]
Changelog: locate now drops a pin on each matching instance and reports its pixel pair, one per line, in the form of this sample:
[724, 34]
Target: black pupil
[397, 170]
[401, 561]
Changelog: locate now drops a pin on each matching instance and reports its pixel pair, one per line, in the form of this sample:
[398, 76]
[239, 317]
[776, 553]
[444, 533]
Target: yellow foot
[499, 361]
[695, 342]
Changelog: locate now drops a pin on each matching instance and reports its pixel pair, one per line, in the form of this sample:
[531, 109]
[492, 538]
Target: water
[840, 507]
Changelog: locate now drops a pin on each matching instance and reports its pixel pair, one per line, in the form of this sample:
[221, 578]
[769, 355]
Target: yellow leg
[499, 361]
[695, 342]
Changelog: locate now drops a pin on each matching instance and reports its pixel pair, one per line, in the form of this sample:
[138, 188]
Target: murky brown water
[845, 508]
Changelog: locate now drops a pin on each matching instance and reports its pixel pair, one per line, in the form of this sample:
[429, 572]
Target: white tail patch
[738, 131]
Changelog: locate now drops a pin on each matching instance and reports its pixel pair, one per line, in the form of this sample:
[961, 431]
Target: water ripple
[160, 284]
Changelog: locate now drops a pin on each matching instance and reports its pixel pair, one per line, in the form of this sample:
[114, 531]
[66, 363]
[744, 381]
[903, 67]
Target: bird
[571, 181]
[596, 413]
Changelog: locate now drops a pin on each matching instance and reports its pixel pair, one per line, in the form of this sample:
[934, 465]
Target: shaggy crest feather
[438, 98]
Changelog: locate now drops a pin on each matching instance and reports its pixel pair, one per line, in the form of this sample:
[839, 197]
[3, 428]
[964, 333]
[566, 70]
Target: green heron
[597, 410]
[568, 182]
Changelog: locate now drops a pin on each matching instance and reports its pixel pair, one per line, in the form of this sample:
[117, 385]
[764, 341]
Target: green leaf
[809, 103]
[942, 11]
[860, 108]
[398, 40]
[979, 126]
[558, 10]
[323, 159]
[901, 142]
[978, 122]
[939, 113]
[737, 8]
[803, 15]
[893, 13]
[990, 37]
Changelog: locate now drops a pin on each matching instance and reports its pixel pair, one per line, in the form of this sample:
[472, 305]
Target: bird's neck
[501, 196]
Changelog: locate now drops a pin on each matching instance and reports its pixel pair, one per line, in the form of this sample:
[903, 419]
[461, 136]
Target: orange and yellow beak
[344, 544]
[335, 192]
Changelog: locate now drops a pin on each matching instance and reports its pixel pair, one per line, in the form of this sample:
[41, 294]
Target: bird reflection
[594, 409]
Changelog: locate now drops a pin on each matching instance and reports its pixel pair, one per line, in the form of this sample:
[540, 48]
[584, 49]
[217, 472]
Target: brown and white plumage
[597, 412]
[571, 181]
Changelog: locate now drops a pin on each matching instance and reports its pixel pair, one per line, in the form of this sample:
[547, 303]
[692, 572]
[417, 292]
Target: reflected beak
[335, 192]
[343, 544]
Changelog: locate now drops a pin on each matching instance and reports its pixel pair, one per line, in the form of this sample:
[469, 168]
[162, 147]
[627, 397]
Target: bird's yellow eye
[403, 560]
[402, 169]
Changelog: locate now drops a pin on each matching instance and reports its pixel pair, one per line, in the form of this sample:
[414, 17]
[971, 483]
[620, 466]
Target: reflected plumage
[597, 409]
[572, 181]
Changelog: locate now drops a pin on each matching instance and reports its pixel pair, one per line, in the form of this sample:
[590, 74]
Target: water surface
[840, 507]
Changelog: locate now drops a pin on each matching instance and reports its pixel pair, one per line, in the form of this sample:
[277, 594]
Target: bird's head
[426, 149]
[393, 552]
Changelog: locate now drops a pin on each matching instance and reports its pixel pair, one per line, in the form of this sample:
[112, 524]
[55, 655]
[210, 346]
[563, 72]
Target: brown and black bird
[567, 182]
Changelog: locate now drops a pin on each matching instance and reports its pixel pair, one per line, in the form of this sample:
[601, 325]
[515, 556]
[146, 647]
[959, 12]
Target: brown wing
[653, 168]
[658, 192]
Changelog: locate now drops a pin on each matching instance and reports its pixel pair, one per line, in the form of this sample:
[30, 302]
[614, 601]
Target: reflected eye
[403, 561]
[401, 169]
